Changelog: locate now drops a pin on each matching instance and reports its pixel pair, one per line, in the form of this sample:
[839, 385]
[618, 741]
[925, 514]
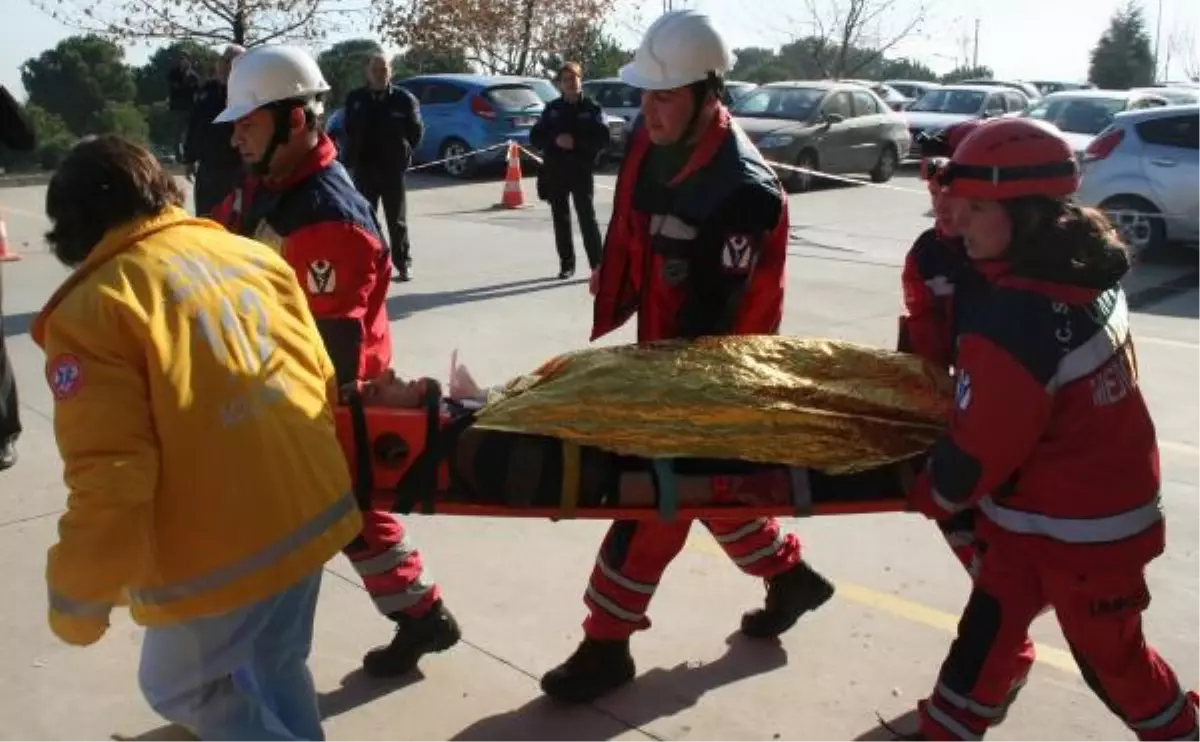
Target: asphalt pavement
[484, 286]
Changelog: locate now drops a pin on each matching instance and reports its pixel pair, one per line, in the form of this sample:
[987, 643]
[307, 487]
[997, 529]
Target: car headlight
[776, 141]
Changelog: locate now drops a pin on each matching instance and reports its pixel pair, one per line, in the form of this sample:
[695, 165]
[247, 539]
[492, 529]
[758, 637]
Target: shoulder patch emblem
[321, 278]
[65, 375]
[737, 254]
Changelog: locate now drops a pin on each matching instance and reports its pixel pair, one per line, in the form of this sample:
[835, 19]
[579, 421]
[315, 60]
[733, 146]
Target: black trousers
[391, 191]
[578, 189]
[10, 419]
[212, 186]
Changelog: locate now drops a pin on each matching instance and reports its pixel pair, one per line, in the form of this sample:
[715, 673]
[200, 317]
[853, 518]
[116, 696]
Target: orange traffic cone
[5, 255]
[513, 197]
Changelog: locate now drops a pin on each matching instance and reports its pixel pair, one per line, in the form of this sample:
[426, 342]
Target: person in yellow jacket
[192, 408]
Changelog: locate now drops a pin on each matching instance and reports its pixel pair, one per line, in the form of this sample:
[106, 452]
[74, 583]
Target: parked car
[735, 89]
[616, 98]
[911, 89]
[894, 99]
[1144, 172]
[617, 129]
[1046, 87]
[834, 127]
[1082, 114]
[1031, 92]
[465, 113]
[1177, 95]
[950, 104]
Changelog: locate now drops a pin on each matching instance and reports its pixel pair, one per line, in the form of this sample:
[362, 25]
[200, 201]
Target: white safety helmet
[270, 74]
[680, 48]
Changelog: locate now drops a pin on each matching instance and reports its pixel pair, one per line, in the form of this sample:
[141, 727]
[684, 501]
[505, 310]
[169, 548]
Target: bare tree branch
[837, 39]
[1182, 46]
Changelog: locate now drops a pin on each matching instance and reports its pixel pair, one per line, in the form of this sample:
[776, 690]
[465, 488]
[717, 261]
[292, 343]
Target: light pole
[1157, 36]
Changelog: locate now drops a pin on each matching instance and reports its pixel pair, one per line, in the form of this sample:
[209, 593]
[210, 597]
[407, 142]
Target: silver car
[1082, 114]
[1143, 171]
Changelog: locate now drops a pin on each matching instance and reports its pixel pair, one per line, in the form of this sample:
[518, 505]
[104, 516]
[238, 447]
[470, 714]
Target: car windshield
[1078, 115]
[797, 104]
[949, 101]
[545, 90]
[514, 97]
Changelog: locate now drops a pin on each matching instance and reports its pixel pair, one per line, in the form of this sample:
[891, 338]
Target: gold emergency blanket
[825, 404]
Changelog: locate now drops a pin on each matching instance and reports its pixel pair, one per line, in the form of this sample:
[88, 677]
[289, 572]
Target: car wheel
[886, 167]
[1138, 222]
[802, 182]
[456, 165]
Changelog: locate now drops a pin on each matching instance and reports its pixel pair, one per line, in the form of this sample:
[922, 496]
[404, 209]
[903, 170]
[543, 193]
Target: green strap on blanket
[668, 489]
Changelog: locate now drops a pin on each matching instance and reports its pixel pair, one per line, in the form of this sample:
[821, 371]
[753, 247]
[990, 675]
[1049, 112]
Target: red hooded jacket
[703, 254]
[328, 233]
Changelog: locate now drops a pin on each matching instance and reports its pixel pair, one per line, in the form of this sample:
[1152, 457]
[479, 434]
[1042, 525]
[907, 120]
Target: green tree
[421, 60]
[162, 126]
[1123, 57]
[151, 78]
[598, 53]
[124, 119]
[77, 78]
[344, 65]
[958, 74]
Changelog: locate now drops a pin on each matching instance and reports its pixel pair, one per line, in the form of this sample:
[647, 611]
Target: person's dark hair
[104, 182]
[573, 67]
[1059, 240]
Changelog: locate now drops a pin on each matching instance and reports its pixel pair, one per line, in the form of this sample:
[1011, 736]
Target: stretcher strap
[421, 482]
[570, 478]
[364, 478]
[667, 486]
[802, 496]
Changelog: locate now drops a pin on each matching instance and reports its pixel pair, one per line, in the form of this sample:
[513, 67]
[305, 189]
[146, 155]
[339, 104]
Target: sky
[1018, 39]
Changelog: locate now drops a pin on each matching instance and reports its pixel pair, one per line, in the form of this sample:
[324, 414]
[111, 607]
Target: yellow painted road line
[908, 610]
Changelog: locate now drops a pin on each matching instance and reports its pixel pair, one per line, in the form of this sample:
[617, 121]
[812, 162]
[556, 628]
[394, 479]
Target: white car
[1082, 114]
[1143, 171]
[942, 107]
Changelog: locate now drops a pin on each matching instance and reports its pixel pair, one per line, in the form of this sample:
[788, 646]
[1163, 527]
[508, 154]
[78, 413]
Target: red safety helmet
[937, 147]
[1011, 158]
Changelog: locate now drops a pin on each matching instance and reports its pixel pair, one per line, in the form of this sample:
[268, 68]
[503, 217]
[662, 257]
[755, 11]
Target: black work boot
[790, 595]
[595, 668]
[436, 631]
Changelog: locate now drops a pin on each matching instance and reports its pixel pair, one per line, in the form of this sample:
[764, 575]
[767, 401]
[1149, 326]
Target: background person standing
[383, 127]
[208, 149]
[570, 133]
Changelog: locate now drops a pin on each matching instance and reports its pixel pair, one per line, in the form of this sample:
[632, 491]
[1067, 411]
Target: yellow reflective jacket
[193, 414]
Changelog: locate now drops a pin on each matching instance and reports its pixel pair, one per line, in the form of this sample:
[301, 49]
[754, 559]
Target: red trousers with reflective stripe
[390, 567]
[1100, 616]
[636, 553]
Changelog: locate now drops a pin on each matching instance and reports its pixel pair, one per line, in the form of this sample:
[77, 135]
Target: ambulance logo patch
[322, 279]
[737, 254]
[962, 391]
[65, 376]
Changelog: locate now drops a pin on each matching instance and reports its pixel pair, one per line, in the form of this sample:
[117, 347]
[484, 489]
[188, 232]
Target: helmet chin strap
[700, 91]
[281, 132]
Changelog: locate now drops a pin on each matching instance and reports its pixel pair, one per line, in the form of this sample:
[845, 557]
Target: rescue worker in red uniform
[1051, 440]
[696, 246]
[300, 200]
[937, 273]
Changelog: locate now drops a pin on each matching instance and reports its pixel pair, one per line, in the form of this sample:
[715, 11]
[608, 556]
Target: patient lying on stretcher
[514, 470]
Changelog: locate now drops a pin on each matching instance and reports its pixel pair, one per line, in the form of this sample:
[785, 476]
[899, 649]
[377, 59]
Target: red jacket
[328, 233]
[1050, 437]
[702, 254]
[936, 271]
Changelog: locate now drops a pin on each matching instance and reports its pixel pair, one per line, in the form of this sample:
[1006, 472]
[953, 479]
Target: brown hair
[104, 182]
[1059, 240]
[573, 67]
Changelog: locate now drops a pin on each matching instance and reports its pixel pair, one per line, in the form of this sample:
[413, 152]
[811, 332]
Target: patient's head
[388, 390]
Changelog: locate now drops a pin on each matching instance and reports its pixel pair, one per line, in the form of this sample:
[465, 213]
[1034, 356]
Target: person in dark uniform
[570, 133]
[183, 83]
[208, 149]
[16, 133]
[383, 127]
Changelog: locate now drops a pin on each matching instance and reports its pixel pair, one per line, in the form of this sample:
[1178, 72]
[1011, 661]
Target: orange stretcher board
[499, 474]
